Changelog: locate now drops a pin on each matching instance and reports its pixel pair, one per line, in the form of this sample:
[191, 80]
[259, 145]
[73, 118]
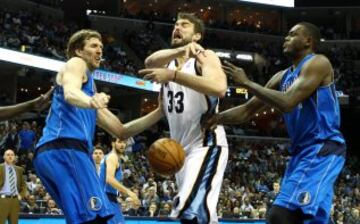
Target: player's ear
[196, 37]
[78, 52]
[308, 41]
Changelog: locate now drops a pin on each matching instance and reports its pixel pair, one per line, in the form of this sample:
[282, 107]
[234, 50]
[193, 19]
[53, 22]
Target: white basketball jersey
[184, 108]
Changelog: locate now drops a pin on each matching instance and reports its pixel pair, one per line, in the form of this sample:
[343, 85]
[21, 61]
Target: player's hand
[135, 198]
[159, 75]
[193, 50]
[209, 122]
[99, 100]
[235, 73]
[43, 101]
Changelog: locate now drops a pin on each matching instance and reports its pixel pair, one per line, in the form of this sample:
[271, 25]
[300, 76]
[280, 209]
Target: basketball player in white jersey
[192, 82]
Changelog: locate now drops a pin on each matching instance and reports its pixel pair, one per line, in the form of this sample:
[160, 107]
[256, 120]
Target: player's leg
[72, 180]
[280, 215]
[47, 170]
[313, 172]
[118, 218]
[325, 201]
[215, 187]
[203, 169]
[186, 178]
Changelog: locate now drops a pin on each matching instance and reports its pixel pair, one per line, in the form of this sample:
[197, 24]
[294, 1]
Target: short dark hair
[99, 147]
[77, 41]
[199, 26]
[312, 31]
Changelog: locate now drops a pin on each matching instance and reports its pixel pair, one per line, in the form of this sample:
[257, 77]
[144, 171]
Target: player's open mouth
[177, 35]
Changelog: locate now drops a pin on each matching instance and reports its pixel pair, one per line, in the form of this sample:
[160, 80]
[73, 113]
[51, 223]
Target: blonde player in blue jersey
[63, 154]
[305, 93]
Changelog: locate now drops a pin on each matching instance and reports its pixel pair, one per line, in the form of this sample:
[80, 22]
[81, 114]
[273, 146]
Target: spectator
[130, 208]
[12, 188]
[32, 184]
[27, 139]
[52, 209]
[31, 207]
[165, 210]
[152, 210]
[246, 208]
[355, 217]
[98, 155]
[271, 196]
[150, 195]
[12, 140]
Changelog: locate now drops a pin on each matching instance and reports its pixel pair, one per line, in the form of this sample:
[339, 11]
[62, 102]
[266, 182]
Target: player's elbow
[288, 107]
[220, 91]
[149, 62]
[124, 133]
[68, 96]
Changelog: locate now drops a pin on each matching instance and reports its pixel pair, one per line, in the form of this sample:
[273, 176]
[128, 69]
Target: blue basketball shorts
[308, 183]
[70, 177]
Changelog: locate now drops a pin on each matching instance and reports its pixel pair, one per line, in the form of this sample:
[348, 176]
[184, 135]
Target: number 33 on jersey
[184, 108]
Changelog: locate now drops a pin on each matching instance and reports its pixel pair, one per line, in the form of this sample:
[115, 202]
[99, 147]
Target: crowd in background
[252, 178]
[34, 33]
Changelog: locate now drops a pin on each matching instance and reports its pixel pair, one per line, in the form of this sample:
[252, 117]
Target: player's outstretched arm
[244, 112]
[241, 113]
[38, 103]
[110, 123]
[310, 78]
[139, 125]
[161, 58]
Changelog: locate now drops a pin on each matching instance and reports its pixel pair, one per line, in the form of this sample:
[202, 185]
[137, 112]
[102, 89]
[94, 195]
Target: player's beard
[181, 43]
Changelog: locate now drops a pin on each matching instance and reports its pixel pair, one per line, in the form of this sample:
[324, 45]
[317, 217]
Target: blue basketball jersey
[315, 119]
[67, 121]
[118, 176]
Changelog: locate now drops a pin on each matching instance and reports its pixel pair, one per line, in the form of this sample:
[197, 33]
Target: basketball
[166, 156]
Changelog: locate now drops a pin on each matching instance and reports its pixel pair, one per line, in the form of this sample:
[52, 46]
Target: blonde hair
[77, 41]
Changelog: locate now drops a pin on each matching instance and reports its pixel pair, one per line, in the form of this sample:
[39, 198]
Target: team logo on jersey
[95, 203]
[304, 198]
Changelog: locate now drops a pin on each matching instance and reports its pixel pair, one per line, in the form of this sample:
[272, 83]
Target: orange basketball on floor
[166, 156]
